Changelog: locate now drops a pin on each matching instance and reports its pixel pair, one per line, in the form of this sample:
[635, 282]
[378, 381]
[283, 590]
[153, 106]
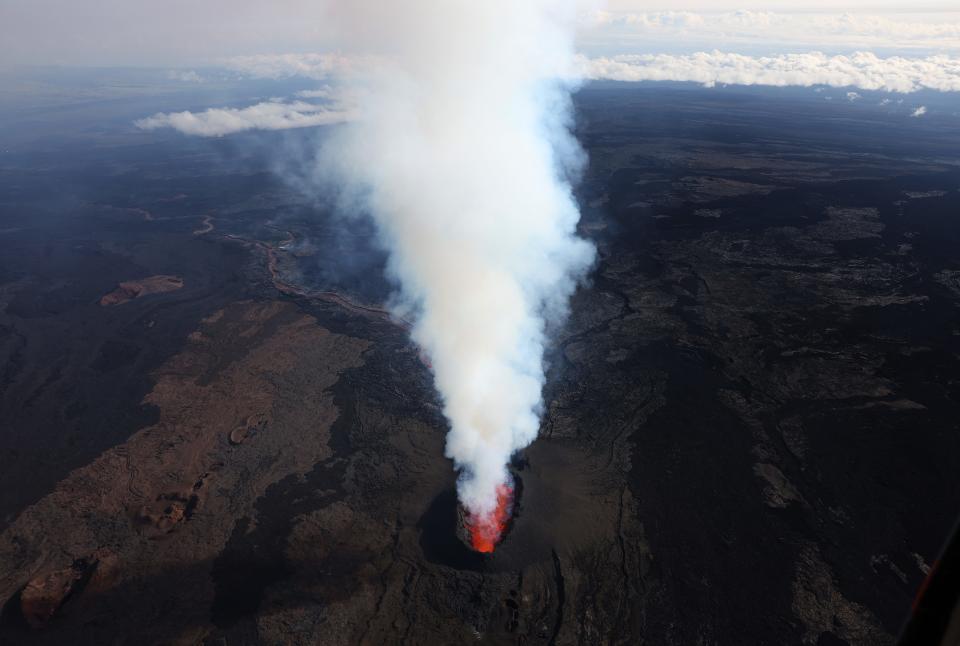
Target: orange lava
[487, 530]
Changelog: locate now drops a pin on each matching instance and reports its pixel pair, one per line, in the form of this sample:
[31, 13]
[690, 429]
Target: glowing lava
[487, 530]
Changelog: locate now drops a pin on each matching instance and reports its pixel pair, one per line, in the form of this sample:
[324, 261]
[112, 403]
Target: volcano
[748, 433]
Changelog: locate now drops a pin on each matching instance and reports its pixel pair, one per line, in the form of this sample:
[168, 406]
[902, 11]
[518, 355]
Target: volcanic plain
[213, 432]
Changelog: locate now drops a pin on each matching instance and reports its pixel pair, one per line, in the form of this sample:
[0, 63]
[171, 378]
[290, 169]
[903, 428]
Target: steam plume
[463, 155]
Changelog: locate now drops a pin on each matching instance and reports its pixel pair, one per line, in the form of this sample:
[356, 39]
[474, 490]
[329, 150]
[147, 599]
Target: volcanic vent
[483, 532]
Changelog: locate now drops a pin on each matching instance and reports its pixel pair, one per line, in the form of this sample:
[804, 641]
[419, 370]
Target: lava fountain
[486, 530]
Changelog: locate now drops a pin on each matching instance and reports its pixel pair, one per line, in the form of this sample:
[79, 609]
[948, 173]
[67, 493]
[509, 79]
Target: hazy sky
[198, 32]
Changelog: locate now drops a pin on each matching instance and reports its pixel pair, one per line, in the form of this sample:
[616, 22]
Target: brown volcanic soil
[170, 495]
[131, 289]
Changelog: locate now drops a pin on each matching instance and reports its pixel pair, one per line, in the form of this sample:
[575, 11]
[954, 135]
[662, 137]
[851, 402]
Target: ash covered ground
[211, 432]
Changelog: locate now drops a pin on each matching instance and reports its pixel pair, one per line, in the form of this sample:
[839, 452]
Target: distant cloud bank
[313, 66]
[184, 76]
[758, 30]
[862, 70]
[329, 105]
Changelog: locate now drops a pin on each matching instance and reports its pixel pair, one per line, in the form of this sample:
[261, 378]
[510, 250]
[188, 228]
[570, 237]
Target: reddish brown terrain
[171, 494]
[131, 289]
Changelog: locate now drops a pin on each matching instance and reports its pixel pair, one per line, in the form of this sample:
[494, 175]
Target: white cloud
[270, 115]
[314, 66]
[919, 112]
[862, 70]
[765, 31]
[184, 76]
[325, 92]
[330, 104]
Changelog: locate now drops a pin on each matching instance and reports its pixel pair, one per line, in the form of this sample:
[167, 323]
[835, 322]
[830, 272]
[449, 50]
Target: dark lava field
[212, 433]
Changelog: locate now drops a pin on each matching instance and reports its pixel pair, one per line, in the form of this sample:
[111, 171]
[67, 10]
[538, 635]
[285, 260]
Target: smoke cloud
[462, 153]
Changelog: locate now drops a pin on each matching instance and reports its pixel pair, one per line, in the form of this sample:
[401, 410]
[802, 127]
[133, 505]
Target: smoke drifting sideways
[462, 153]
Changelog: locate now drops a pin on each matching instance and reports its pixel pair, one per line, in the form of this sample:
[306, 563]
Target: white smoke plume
[462, 152]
